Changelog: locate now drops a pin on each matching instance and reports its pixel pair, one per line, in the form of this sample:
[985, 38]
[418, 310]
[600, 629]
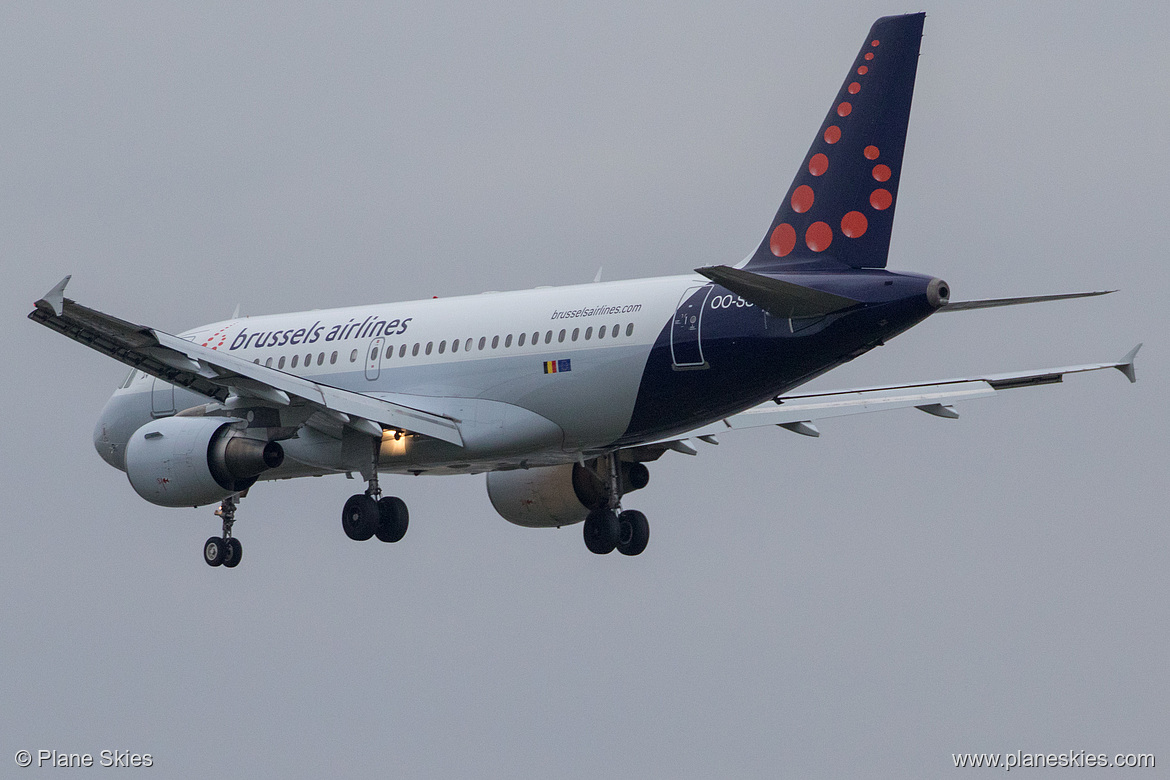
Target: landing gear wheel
[233, 553]
[214, 551]
[633, 532]
[393, 518]
[601, 531]
[359, 518]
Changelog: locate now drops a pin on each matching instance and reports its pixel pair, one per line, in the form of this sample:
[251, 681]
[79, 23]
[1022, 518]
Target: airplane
[560, 395]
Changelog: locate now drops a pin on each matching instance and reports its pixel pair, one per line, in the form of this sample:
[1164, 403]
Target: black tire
[633, 532]
[214, 551]
[234, 552]
[359, 518]
[601, 531]
[393, 518]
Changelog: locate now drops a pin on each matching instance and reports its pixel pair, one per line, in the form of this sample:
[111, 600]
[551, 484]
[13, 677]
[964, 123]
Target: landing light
[393, 444]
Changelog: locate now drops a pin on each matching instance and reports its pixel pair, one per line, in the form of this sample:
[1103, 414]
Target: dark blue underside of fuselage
[749, 356]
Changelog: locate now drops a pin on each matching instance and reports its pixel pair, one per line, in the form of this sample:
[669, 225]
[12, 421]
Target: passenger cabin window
[576, 333]
[333, 358]
[442, 346]
[430, 346]
[495, 341]
[630, 329]
[520, 342]
[294, 361]
[508, 341]
[414, 350]
[455, 345]
[589, 333]
[601, 332]
[482, 342]
[402, 351]
[268, 363]
[548, 337]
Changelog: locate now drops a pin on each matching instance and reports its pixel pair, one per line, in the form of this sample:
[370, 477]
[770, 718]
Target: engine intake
[194, 461]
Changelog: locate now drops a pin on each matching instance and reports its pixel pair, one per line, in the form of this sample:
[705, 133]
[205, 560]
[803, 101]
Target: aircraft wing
[226, 378]
[798, 412]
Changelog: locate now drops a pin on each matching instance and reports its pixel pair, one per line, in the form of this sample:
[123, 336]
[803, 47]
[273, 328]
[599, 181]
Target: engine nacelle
[194, 461]
[552, 496]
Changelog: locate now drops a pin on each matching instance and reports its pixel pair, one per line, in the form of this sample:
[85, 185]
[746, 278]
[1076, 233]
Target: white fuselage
[534, 376]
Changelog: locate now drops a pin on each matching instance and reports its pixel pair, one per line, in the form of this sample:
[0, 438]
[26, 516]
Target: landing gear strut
[607, 527]
[224, 550]
[369, 514]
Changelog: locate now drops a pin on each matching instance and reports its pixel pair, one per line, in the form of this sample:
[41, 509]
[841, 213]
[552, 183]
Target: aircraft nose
[105, 438]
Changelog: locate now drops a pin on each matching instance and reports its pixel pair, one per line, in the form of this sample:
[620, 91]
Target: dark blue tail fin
[841, 203]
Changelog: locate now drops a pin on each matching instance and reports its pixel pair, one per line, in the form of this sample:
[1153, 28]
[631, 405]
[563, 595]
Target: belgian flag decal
[557, 366]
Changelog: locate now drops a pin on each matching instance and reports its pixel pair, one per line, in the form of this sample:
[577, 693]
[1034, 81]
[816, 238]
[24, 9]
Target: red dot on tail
[854, 224]
[874, 42]
[783, 239]
[854, 88]
[818, 236]
[871, 152]
[818, 164]
[869, 55]
[862, 70]
[844, 108]
[802, 199]
[832, 134]
[881, 199]
[881, 172]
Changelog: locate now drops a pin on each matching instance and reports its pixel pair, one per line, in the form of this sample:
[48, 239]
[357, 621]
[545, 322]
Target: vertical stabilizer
[841, 203]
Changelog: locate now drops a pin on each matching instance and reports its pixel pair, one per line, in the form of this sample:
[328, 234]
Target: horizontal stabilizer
[775, 296]
[993, 302]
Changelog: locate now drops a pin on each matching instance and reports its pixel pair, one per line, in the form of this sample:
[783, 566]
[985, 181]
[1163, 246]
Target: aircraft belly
[589, 400]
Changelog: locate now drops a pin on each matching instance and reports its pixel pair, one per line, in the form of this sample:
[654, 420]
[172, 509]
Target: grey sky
[863, 604]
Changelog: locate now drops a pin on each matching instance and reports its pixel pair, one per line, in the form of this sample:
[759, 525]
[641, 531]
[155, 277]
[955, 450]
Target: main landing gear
[224, 550]
[369, 514]
[607, 527]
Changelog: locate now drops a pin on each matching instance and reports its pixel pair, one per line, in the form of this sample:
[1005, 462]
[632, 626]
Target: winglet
[1125, 365]
[55, 298]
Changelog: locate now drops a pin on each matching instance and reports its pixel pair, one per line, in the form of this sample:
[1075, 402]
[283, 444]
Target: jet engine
[552, 496]
[194, 461]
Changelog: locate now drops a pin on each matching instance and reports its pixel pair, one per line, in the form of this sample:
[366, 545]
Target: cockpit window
[129, 379]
